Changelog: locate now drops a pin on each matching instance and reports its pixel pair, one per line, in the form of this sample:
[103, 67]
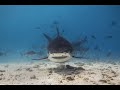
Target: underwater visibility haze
[93, 30]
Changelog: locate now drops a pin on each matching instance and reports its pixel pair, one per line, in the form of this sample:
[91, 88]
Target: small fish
[109, 54]
[2, 54]
[114, 23]
[28, 53]
[97, 48]
[55, 22]
[62, 31]
[93, 36]
[108, 36]
[37, 28]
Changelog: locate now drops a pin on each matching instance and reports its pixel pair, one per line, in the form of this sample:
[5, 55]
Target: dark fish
[55, 22]
[37, 28]
[63, 31]
[109, 54]
[114, 23]
[108, 37]
[93, 36]
[96, 47]
[31, 52]
[2, 53]
[28, 53]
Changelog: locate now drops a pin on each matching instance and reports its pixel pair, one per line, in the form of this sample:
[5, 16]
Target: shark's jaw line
[59, 57]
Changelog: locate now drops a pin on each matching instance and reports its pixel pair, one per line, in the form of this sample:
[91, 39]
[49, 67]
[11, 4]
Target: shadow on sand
[67, 70]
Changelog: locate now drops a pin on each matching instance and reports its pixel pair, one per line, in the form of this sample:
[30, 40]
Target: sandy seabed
[78, 72]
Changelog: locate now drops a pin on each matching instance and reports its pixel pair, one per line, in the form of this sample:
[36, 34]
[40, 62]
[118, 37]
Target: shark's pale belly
[59, 57]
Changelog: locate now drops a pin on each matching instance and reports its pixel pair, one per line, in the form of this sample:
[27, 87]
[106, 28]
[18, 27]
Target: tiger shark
[59, 49]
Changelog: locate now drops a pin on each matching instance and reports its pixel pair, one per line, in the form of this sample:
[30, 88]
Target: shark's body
[59, 49]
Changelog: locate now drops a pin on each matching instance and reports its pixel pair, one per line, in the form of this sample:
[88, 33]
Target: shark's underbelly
[59, 57]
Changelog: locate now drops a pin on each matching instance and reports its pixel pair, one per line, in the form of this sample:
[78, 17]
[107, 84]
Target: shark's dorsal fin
[56, 27]
[47, 37]
[58, 34]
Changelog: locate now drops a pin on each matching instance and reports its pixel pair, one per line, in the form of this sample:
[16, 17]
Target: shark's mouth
[59, 57]
[62, 57]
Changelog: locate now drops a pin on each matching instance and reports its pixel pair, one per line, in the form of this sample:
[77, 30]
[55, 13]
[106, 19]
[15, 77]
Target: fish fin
[58, 34]
[40, 58]
[76, 57]
[47, 37]
[80, 57]
[56, 27]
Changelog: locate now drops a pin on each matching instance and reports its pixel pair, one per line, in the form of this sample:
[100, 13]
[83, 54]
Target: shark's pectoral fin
[80, 57]
[40, 58]
[47, 37]
[76, 57]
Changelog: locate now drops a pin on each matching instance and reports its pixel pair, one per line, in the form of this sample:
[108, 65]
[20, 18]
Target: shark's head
[59, 49]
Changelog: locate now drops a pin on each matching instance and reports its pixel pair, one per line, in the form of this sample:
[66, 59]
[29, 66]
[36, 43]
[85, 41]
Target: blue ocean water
[22, 28]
